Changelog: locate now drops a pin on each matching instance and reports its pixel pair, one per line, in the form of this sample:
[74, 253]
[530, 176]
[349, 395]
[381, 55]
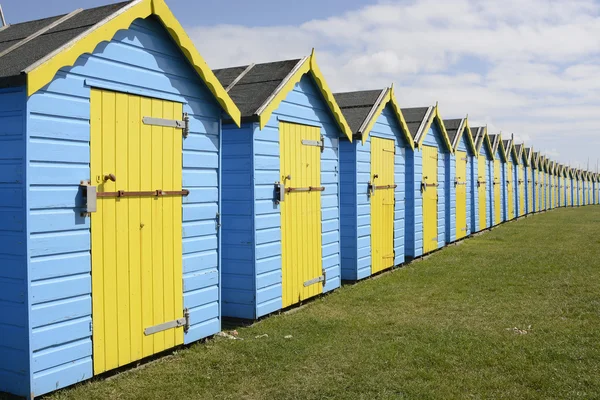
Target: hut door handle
[110, 177]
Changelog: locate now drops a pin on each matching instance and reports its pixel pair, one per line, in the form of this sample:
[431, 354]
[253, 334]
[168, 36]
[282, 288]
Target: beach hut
[499, 209]
[567, 186]
[552, 184]
[596, 188]
[580, 198]
[564, 190]
[544, 181]
[588, 178]
[372, 182]
[281, 192]
[429, 173]
[526, 157]
[485, 162]
[520, 180]
[556, 184]
[512, 170]
[465, 161]
[110, 146]
[573, 192]
[559, 186]
[536, 173]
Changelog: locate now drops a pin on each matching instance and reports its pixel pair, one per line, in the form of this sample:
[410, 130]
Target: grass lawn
[443, 327]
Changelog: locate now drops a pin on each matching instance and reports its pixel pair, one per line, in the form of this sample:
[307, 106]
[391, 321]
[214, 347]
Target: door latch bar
[177, 323]
[183, 123]
[305, 189]
[157, 193]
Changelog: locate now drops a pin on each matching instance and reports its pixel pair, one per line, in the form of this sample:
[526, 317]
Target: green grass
[438, 328]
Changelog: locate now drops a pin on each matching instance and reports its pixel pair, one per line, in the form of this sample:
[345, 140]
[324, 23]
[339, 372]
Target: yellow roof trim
[469, 136]
[309, 65]
[435, 115]
[41, 74]
[389, 98]
[486, 139]
[501, 146]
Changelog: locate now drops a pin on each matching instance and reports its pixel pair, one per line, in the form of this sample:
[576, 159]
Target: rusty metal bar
[430, 184]
[155, 193]
[306, 189]
[385, 187]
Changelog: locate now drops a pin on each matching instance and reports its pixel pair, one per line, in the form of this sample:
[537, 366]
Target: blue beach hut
[373, 185]
[429, 172]
[485, 163]
[499, 206]
[465, 176]
[110, 160]
[281, 187]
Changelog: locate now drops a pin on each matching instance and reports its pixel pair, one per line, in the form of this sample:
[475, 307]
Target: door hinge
[183, 123]
[177, 323]
[316, 143]
[318, 279]
[218, 220]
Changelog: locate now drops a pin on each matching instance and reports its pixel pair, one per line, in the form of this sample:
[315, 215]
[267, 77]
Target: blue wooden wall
[474, 212]
[445, 172]
[305, 105]
[252, 221]
[414, 204]
[355, 164]
[14, 293]
[238, 269]
[142, 60]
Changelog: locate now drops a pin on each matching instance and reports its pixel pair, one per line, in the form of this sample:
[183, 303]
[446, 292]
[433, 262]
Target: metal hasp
[178, 323]
[279, 192]
[316, 143]
[157, 193]
[90, 196]
[183, 123]
[321, 278]
[305, 189]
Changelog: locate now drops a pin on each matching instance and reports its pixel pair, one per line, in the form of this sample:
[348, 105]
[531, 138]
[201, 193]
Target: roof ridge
[41, 31]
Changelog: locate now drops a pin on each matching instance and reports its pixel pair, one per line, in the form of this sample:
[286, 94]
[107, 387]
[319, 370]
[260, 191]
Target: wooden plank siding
[142, 60]
[355, 165]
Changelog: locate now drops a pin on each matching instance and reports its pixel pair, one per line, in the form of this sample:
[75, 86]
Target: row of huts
[144, 197]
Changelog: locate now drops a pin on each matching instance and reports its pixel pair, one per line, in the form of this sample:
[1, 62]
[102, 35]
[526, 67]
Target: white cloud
[525, 66]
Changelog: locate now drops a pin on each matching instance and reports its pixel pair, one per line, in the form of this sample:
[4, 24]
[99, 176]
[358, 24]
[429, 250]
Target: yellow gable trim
[435, 115]
[469, 137]
[41, 74]
[389, 98]
[311, 66]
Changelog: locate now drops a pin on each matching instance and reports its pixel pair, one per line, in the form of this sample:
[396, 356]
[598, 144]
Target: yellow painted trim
[469, 137]
[42, 74]
[501, 146]
[311, 66]
[435, 115]
[389, 98]
[375, 115]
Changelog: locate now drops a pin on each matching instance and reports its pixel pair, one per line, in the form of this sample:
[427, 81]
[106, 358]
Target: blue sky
[528, 67]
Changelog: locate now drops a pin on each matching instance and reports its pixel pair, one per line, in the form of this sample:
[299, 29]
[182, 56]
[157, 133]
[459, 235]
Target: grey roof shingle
[255, 87]
[414, 117]
[518, 148]
[13, 63]
[452, 126]
[356, 106]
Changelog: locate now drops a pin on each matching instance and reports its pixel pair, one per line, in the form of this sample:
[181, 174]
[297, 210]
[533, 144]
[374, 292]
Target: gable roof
[258, 89]
[511, 151]
[496, 140]
[456, 128]
[527, 153]
[419, 121]
[361, 110]
[32, 52]
[481, 136]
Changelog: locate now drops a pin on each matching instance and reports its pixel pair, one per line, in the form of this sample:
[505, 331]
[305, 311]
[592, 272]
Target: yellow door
[136, 240]
[568, 183]
[382, 204]
[530, 190]
[461, 194]
[510, 191]
[580, 187]
[300, 170]
[429, 188]
[497, 186]
[521, 186]
[538, 191]
[481, 191]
